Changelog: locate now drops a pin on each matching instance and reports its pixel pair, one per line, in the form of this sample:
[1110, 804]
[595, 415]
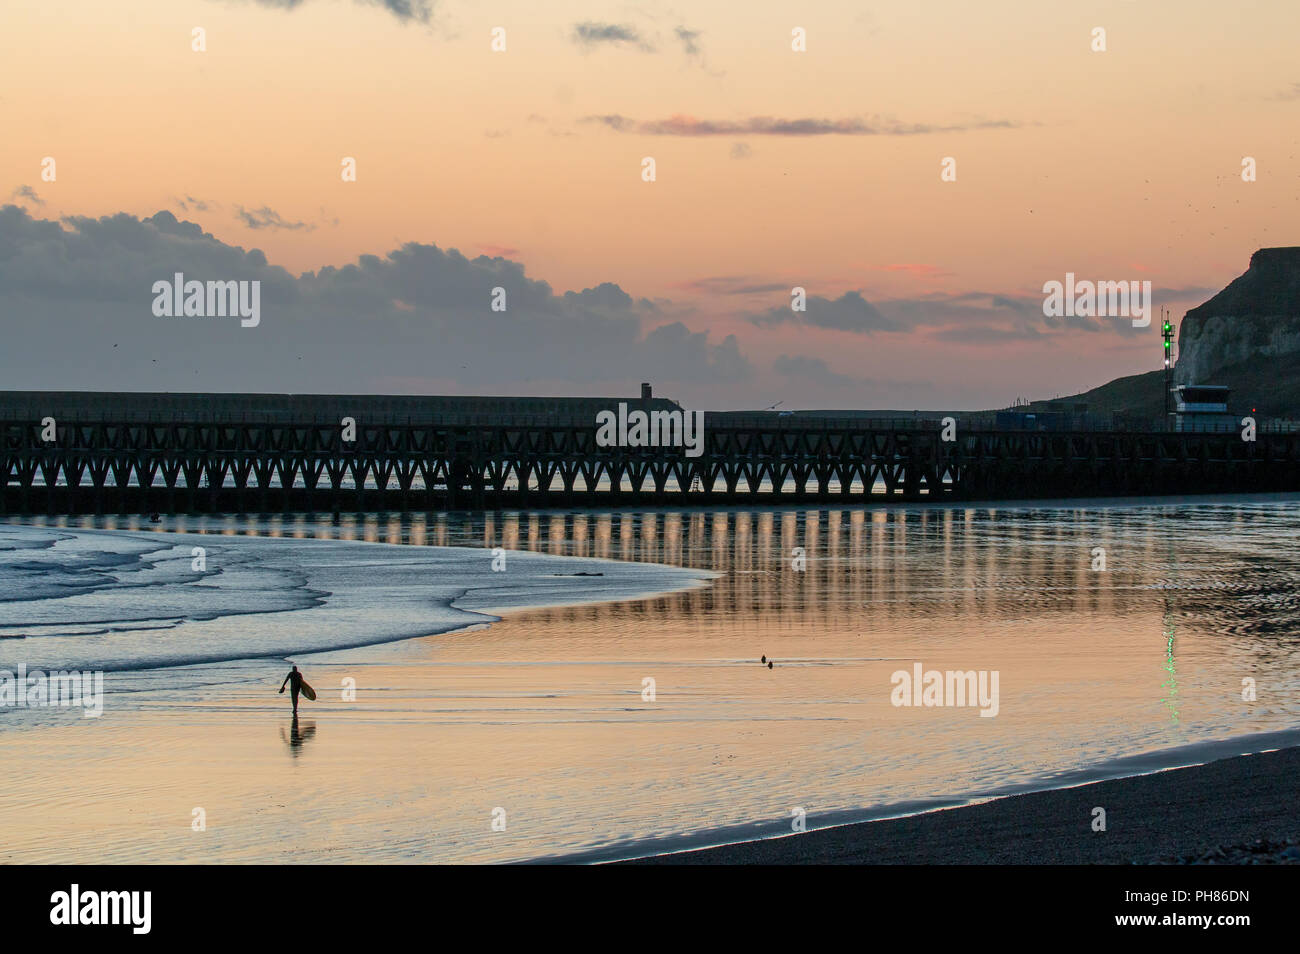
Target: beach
[544, 714]
[1240, 810]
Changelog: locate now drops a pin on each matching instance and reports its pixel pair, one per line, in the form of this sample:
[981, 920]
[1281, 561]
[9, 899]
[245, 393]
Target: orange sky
[1116, 165]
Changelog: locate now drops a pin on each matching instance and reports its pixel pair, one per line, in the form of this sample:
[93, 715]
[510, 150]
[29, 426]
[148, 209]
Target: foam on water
[129, 601]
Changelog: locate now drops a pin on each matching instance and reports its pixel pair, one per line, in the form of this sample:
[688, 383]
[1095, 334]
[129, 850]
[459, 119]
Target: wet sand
[547, 716]
[1180, 814]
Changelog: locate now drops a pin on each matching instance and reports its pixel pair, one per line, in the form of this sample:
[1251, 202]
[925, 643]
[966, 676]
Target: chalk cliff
[1246, 337]
[1257, 317]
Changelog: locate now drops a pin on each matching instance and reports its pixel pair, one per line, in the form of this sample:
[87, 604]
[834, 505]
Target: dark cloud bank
[75, 309]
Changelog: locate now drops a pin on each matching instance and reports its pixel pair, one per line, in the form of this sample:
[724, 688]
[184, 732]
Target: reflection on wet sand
[546, 714]
[297, 736]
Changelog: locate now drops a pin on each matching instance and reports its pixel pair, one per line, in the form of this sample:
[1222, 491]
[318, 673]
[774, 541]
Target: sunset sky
[774, 169]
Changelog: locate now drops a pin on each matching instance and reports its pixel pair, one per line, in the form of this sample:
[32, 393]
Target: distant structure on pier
[1053, 416]
[1202, 408]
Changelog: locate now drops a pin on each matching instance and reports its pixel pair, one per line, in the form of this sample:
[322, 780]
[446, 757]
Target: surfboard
[308, 691]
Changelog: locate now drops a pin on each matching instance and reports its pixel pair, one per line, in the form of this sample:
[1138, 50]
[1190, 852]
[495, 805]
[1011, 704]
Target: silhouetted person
[294, 681]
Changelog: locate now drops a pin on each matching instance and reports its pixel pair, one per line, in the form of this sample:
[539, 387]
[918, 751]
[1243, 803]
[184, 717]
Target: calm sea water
[615, 728]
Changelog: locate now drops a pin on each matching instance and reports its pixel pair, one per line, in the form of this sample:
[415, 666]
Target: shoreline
[1137, 765]
[1216, 810]
[288, 590]
[434, 713]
